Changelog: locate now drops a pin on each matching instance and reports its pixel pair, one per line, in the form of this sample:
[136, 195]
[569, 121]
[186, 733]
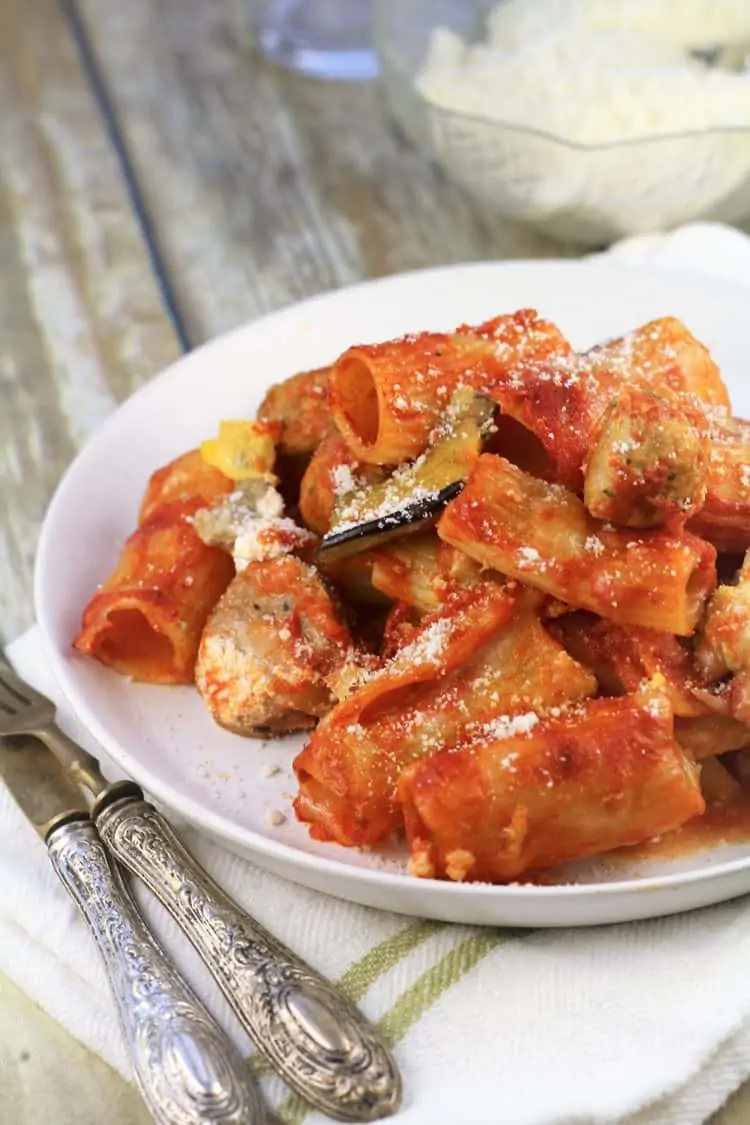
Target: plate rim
[244, 839]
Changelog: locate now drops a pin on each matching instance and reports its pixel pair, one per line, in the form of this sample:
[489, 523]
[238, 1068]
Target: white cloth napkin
[641, 1024]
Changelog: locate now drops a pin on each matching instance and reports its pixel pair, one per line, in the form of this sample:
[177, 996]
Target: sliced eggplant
[415, 494]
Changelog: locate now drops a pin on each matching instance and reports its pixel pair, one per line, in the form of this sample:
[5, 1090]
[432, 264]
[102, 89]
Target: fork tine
[15, 694]
[9, 704]
[7, 686]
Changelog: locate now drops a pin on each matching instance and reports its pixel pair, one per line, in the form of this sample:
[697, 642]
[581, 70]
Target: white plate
[164, 738]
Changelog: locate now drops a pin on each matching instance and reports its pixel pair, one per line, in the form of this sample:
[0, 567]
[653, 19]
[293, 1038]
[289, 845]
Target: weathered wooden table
[159, 184]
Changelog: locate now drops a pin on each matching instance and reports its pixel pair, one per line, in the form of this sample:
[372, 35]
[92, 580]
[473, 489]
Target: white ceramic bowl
[163, 737]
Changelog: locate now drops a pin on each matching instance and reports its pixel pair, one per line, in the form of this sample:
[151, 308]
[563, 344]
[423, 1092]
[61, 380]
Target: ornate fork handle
[187, 1070]
[308, 1029]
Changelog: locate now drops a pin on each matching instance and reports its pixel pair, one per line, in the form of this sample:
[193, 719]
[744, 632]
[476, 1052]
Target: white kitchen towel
[644, 1024]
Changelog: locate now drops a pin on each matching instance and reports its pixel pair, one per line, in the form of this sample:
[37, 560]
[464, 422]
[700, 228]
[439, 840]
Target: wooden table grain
[159, 184]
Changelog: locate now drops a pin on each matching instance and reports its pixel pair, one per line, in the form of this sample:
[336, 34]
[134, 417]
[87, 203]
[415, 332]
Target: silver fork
[309, 1030]
[187, 1069]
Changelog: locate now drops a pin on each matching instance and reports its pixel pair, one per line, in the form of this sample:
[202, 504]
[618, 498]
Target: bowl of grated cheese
[587, 119]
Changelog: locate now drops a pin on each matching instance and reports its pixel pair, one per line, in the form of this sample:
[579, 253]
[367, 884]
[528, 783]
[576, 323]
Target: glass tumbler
[320, 38]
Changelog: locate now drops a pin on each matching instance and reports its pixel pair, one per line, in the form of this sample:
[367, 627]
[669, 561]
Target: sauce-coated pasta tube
[147, 618]
[623, 656]
[562, 400]
[724, 518]
[664, 356]
[532, 792]
[421, 571]
[186, 479]
[300, 405]
[543, 535]
[463, 665]
[387, 398]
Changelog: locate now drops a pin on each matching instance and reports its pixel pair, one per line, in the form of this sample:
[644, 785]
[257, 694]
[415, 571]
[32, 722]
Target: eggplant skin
[416, 493]
[414, 516]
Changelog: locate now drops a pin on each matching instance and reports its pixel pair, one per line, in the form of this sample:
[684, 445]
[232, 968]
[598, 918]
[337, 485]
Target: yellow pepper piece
[242, 451]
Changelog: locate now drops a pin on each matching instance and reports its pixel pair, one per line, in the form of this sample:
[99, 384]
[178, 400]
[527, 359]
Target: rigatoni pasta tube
[664, 356]
[387, 398]
[542, 534]
[623, 656]
[532, 792]
[300, 405]
[724, 518]
[562, 400]
[421, 571]
[147, 618]
[478, 655]
[186, 479]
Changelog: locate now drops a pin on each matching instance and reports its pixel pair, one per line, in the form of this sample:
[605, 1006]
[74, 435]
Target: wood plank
[266, 187]
[737, 1109]
[82, 322]
[45, 1075]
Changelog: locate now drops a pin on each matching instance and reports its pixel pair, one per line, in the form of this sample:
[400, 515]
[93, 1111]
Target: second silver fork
[308, 1029]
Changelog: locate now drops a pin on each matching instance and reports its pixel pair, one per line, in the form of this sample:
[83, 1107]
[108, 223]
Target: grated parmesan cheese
[527, 557]
[426, 649]
[268, 539]
[594, 544]
[597, 73]
[271, 504]
[343, 480]
[591, 71]
[510, 726]
[249, 523]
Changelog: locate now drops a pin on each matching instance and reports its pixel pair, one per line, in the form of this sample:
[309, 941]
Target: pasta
[387, 398]
[332, 471]
[146, 620]
[623, 657]
[542, 534]
[421, 571]
[562, 401]
[665, 357]
[480, 570]
[724, 518]
[533, 792]
[481, 653]
[300, 406]
[185, 480]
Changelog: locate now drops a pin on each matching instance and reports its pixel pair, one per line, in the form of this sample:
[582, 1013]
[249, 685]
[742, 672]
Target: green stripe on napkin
[418, 998]
[362, 975]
